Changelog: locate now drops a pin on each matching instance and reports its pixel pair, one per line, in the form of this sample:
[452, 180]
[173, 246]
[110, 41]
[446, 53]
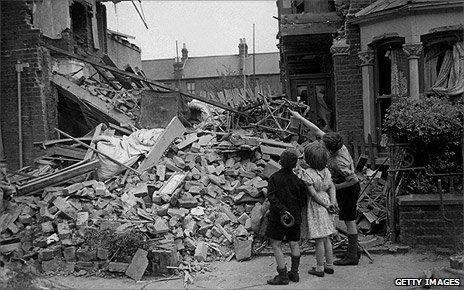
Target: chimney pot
[184, 52]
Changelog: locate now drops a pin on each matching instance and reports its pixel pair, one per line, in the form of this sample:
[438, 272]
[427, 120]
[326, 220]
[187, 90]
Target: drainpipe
[19, 68]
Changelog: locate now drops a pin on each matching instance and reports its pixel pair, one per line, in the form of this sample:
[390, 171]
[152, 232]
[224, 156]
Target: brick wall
[348, 78]
[424, 225]
[19, 41]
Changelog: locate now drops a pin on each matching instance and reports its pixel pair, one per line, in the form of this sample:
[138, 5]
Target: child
[321, 205]
[287, 195]
[341, 166]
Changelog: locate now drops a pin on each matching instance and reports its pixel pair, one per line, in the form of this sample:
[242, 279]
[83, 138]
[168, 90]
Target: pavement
[254, 273]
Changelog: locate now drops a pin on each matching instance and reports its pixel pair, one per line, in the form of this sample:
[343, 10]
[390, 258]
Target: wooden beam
[146, 80]
[97, 133]
[173, 130]
[58, 177]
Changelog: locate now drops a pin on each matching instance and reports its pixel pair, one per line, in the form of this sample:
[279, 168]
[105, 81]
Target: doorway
[316, 93]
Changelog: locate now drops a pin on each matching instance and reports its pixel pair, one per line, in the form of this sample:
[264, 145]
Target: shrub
[425, 122]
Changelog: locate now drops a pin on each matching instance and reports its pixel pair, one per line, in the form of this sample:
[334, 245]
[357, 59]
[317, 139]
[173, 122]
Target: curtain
[450, 79]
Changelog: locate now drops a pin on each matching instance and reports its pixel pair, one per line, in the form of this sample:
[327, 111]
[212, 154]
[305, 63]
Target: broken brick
[138, 265]
[118, 267]
[201, 252]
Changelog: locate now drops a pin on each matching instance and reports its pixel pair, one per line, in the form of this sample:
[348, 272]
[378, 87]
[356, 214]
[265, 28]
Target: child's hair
[289, 158]
[315, 155]
[332, 141]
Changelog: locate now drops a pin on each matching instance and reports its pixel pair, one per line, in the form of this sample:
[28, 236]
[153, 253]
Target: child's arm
[333, 199]
[317, 199]
[308, 124]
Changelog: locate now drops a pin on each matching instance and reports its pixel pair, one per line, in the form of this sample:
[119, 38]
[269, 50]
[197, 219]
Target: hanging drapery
[399, 83]
[450, 80]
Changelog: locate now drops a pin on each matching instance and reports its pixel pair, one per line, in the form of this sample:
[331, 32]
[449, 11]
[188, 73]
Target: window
[191, 87]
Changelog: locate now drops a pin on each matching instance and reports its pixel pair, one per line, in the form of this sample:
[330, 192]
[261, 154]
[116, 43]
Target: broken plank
[58, 177]
[96, 133]
[173, 130]
[270, 142]
[188, 140]
[70, 152]
[58, 141]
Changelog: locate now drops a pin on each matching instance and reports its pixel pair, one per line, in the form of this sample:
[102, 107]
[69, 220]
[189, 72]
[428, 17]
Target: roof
[212, 66]
[387, 5]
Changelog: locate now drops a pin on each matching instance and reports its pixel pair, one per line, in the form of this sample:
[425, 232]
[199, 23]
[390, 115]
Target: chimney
[242, 48]
[184, 53]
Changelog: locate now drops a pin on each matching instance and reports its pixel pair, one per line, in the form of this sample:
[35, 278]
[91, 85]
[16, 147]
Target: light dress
[320, 222]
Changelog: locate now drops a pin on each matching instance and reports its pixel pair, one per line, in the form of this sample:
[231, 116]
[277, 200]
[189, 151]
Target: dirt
[253, 275]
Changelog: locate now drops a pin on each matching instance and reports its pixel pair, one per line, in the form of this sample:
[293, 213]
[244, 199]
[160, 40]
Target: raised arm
[308, 124]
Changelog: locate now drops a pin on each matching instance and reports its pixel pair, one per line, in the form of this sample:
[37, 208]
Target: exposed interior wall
[123, 53]
[20, 42]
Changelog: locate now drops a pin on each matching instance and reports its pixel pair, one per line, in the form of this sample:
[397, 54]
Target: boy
[287, 195]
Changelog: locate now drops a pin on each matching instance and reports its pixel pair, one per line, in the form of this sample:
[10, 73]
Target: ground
[253, 275]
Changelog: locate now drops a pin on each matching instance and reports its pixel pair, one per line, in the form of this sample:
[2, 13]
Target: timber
[140, 78]
[58, 177]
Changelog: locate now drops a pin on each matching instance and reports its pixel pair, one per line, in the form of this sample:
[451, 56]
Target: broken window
[299, 6]
[191, 87]
[444, 68]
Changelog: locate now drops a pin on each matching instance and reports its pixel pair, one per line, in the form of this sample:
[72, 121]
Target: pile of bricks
[203, 201]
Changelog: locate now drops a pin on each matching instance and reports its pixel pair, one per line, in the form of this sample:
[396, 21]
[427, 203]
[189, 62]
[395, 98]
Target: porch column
[413, 51]
[367, 67]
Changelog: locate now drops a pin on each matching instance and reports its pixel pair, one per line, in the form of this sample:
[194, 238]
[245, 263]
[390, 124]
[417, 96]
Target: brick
[270, 168]
[243, 218]
[73, 188]
[242, 248]
[201, 252]
[82, 218]
[138, 265]
[103, 254]
[69, 253]
[47, 227]
[49, 253]
[188, 202]
[118, 267]
[161, 226]
[86, 255]
[63, 230]
[51, 265]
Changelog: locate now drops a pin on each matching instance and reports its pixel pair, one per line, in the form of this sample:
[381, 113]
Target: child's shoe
[293, 273]
[328, 270]
[281, 278]
[314, 272]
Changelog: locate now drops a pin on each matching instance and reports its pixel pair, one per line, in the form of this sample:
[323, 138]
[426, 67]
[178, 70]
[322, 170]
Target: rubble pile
[202, 201]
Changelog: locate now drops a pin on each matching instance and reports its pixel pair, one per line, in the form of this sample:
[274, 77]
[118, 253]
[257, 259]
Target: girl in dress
[321, 206]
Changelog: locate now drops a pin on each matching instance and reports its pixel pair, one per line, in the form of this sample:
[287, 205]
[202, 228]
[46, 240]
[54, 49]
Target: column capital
[413, 50]
[340, 47]
[366, 57]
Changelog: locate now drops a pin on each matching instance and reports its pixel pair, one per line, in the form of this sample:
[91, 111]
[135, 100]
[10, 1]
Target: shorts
[347, 199]
[276, 231]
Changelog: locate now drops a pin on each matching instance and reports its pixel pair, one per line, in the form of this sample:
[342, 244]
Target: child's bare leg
[320, 254]
[295, 248]
[328, 253]
[278, 254]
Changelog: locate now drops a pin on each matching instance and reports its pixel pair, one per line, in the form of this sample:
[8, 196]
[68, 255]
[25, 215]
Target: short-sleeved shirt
[341, 166]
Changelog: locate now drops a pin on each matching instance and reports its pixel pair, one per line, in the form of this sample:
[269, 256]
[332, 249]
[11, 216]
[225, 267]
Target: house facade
[216, 73]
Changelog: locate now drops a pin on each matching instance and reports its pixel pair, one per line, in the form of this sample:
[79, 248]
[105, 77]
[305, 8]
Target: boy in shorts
[287, 194]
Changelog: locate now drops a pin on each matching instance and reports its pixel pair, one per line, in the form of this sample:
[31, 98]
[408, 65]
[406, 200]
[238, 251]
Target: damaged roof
[212, 66]
[388, 5]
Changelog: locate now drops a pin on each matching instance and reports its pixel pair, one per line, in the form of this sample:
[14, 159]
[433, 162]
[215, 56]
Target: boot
[281, 278]
[351, 257]
[293, 274]
[343, 255]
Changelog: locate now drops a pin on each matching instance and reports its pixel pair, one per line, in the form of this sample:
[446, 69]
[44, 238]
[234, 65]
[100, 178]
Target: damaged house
[46, 99]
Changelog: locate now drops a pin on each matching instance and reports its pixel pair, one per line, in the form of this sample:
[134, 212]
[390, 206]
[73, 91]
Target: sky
[206, 27]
